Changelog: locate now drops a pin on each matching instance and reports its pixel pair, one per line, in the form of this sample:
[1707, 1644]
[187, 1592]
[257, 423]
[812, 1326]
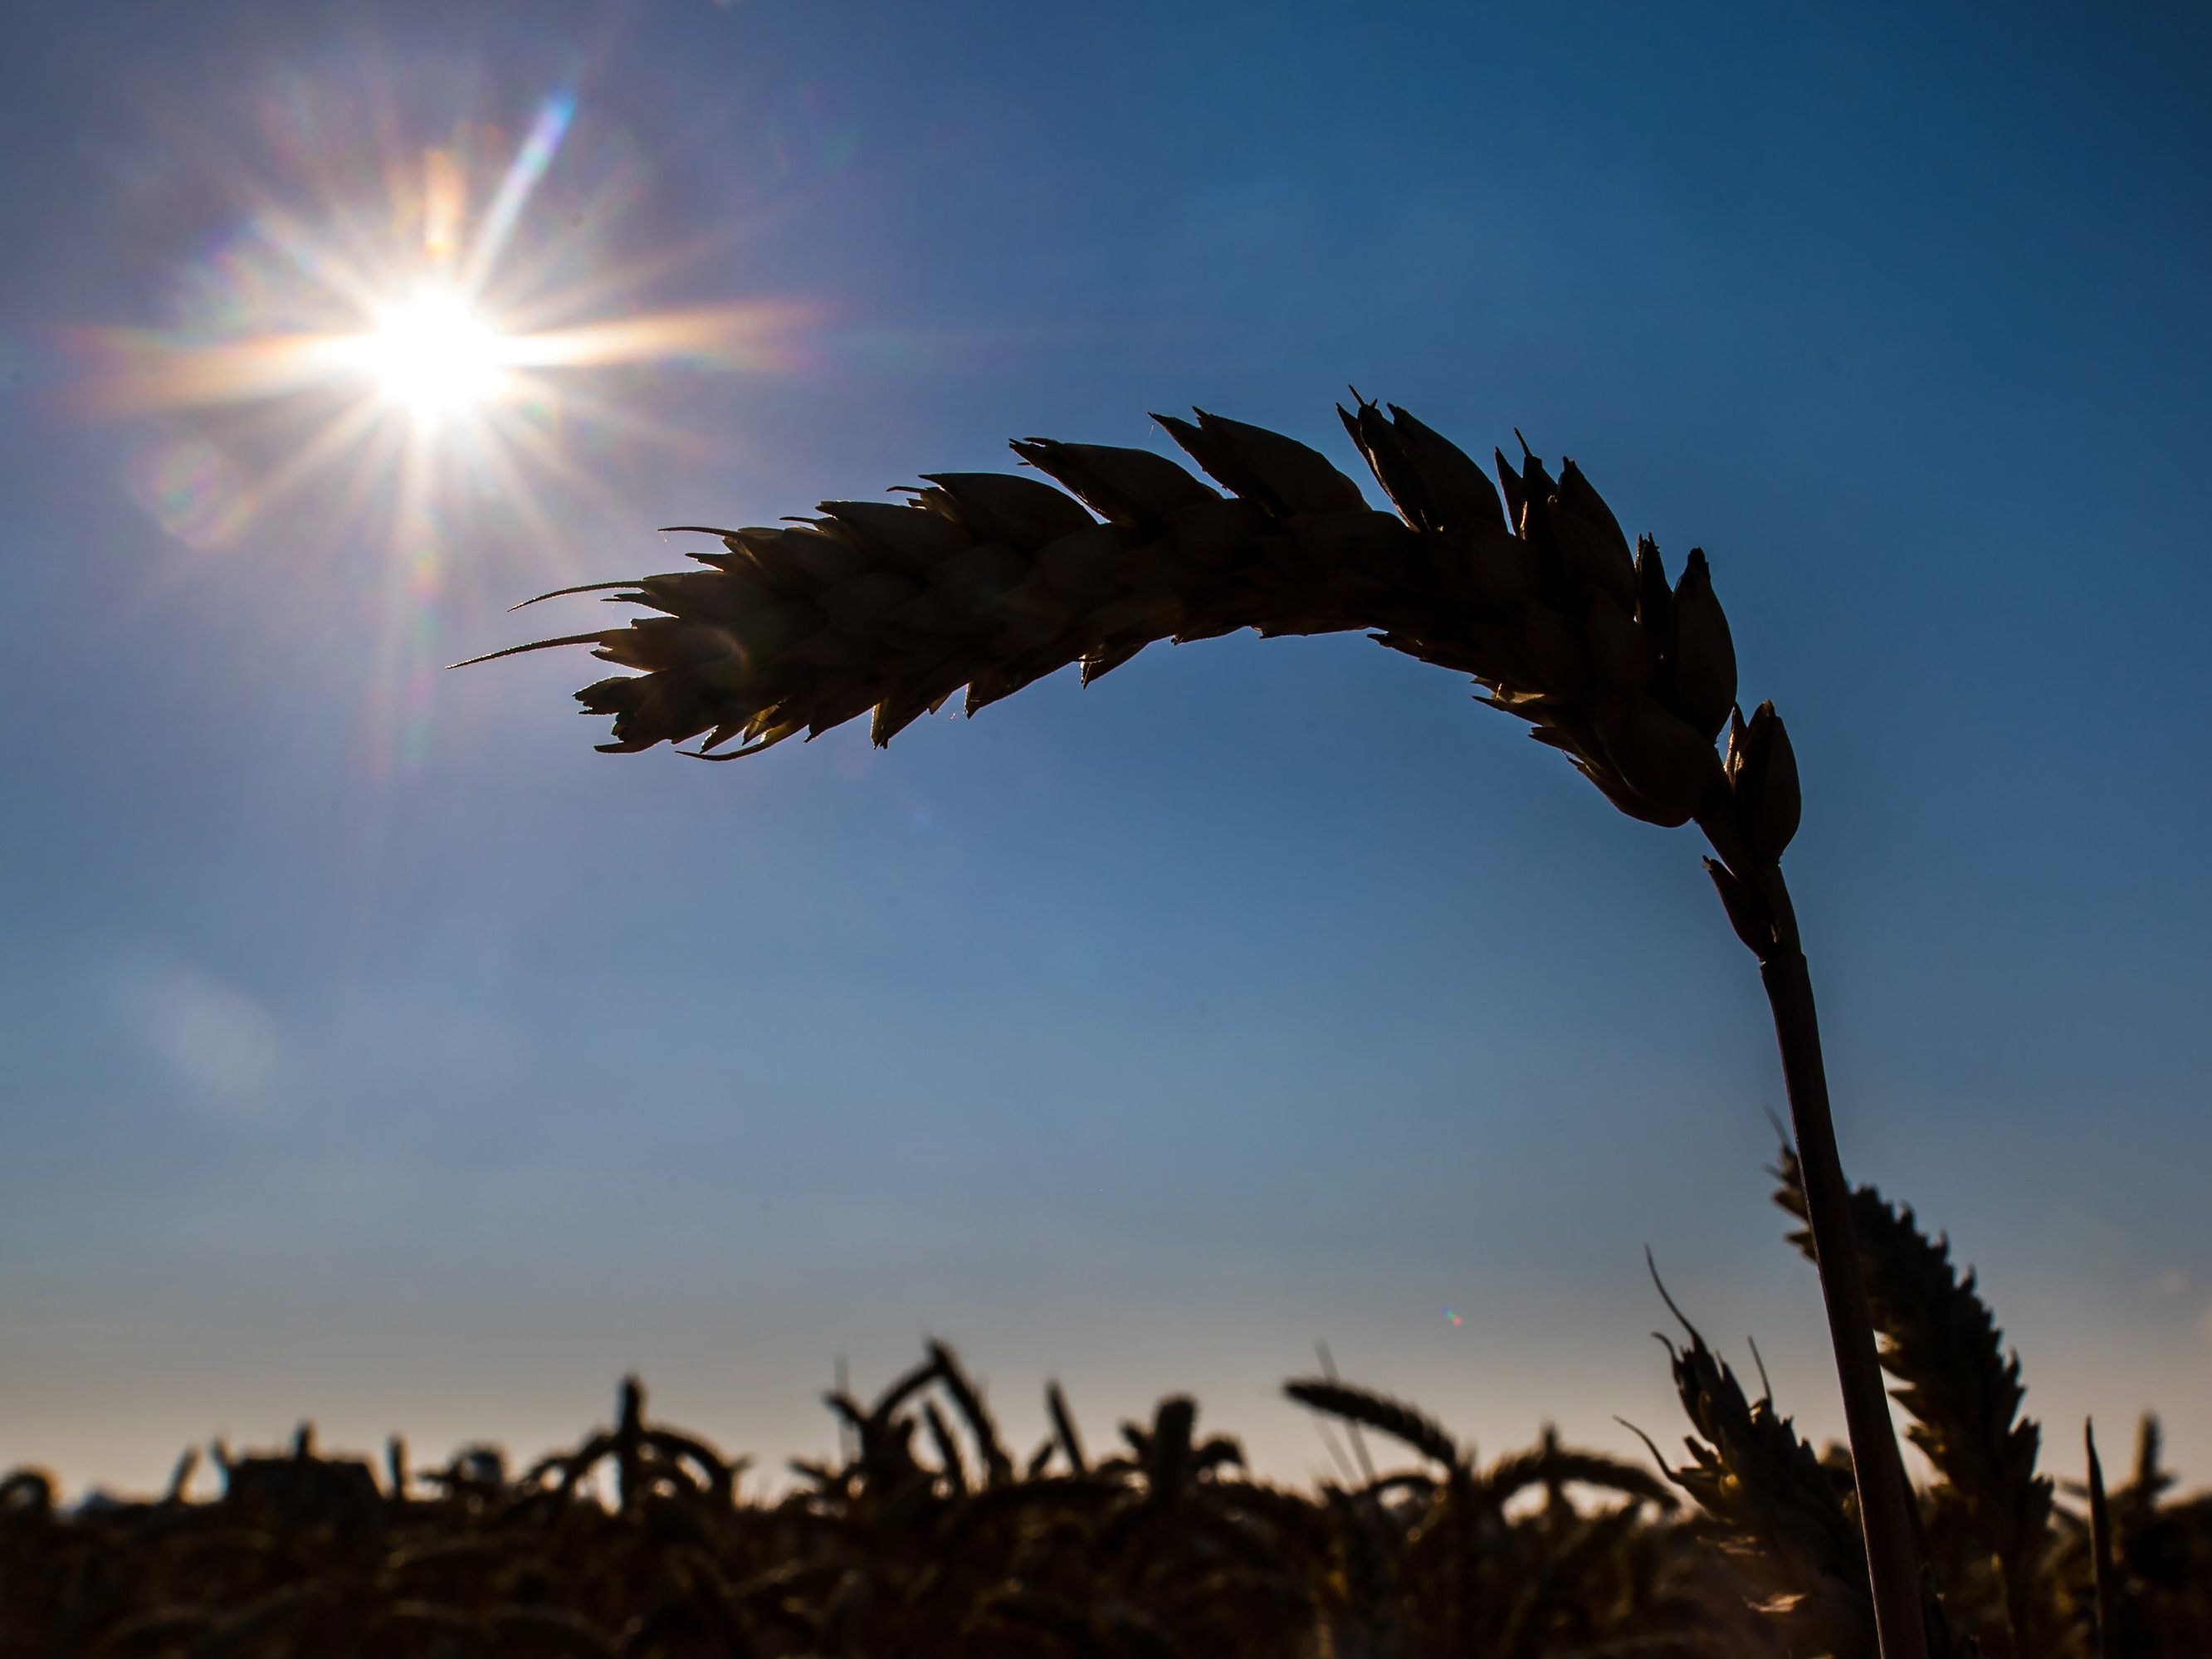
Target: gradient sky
[376, 1052]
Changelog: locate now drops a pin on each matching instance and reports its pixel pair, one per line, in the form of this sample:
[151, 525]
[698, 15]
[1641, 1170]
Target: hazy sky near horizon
[375, 1051]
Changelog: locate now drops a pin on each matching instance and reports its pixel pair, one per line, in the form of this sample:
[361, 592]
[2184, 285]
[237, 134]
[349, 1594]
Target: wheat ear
[1942, 1344]
[1777, 1509]
[990, 581]
[1403, 1423]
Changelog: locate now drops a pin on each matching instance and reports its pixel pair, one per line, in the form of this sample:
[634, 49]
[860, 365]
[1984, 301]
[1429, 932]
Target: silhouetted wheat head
[990, 581]
[1772, 1505]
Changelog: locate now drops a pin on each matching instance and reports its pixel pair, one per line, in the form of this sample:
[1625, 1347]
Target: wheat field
[1786, 420]
[927, 1535]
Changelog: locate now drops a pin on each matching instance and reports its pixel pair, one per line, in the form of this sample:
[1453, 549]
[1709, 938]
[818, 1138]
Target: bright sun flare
[434, 356]
[404, 378]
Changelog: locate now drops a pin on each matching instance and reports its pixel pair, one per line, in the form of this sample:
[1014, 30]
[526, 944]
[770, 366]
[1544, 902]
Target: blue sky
[377, 1052]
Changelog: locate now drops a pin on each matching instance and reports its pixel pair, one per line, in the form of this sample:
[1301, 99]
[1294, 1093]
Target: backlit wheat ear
[1401, 1422]
[1942, 1344]
[1553, 1467]
[1777, 1508]
[989, 581]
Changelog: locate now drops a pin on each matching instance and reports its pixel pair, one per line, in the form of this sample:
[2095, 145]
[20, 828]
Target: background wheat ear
[1401, 1422]
[1771, 1503]
[1941, 1343]
[990, 581]
[2105, 1574]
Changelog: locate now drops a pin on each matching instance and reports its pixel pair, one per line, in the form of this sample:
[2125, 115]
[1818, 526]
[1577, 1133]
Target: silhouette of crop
[645, 1540]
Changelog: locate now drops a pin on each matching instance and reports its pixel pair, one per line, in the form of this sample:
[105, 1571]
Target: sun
[433, 356]
[412, 346]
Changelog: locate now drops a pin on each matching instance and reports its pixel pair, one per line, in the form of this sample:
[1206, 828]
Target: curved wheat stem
[989, 581]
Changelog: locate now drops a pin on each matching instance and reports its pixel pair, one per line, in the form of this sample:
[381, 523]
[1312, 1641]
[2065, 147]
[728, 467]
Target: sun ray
[403, 361]
[343, 430]
[533, 300]
[372, 467]
[530, 160]
[321, 259]
[754, 335]
[627, 420]
[544, 452]
[152, 371]
[497, 455]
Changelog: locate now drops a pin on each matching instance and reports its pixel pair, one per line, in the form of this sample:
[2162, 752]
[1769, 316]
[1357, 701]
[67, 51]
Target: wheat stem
[1942, 1347]
[1891, 1570]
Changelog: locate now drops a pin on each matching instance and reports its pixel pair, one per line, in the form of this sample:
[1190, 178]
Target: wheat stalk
[1942, 1344]
[990, 581]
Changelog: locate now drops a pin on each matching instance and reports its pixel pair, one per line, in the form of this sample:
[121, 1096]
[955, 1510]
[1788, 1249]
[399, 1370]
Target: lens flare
[385, 351]
[471, 328]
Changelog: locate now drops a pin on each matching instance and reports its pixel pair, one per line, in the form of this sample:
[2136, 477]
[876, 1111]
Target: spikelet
[1700, 684]
[1762, 774]
[1279, 473]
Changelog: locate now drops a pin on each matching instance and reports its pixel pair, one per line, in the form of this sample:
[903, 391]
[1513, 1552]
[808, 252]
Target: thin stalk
[1892, 1573]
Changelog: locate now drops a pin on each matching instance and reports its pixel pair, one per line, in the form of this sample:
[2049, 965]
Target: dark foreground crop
[930, 1536]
